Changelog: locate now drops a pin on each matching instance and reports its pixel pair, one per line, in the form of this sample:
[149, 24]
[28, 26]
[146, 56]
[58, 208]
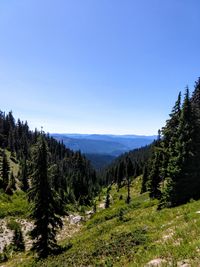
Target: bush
[18, 240]
[119, 243]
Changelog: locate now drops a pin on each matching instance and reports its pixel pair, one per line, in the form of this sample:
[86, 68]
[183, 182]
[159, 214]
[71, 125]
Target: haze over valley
[103, 149]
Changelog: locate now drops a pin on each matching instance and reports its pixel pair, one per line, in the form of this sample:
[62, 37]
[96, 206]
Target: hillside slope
[131, 235]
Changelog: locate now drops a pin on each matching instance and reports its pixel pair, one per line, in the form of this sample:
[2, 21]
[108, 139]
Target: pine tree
[11, 140]
[128, 199]
[18, 239]
[128, 173]
[184, 179]
[95, 206]
[43, 198]
[24, 176]
[179, 184]
[107, 202]
[11, 185]
[5, 172]
[195, 106]
[136, 170]
[120, 174]
[155, 173]
[170, 131]
[144, 180]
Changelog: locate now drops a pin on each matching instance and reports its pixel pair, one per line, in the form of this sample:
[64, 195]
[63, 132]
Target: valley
[101, 150]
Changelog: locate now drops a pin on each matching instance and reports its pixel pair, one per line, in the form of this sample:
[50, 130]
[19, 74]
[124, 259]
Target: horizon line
[111, 134]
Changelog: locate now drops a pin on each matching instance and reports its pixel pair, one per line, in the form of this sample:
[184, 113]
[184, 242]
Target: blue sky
[97, 66]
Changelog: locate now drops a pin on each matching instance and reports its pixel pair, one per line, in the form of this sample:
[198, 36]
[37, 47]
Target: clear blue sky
[97, 66]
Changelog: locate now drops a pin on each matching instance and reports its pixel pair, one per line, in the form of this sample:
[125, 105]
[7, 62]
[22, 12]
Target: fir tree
[195, 106]
[136, 170]
[5, 172]
[18, 239]
[43, 197]
[120, 174]
[180, 182]
[95, 206]
[144, 180]
[24, 176]
[107, 202]
[128, 199]
[11, 185]
[11, 140]
[184, 182]
[170, 153]
[155, 173]
[128, 173]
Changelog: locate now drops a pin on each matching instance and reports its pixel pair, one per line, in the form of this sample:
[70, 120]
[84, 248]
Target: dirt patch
[157, 263]
[71, 225]
[6, 235]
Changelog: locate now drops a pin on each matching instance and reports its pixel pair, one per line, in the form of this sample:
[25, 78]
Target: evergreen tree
[18, 239]
[120, 174]
[24, 176]
[5, 172]
[155, 173]
[107, 202]
[128, 199]
[95, 206]
[170, 131]
[195, 105]
[170, 153]
[129, 167]
[11, 140]
[184, 182]
[11, 185]
[144, 180]
[136, 170]
[181, 182]
[43, 197]
[128, 173]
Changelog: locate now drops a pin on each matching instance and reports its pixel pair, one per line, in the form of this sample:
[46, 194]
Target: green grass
[130, 235]
[15, 205]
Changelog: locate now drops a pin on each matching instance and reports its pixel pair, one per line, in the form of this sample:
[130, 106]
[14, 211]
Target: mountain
[101, 149]
[113, 145]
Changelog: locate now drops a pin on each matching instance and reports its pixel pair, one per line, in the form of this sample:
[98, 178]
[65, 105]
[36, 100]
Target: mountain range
[102, 149]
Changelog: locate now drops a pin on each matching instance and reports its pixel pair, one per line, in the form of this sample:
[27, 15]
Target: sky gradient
[97, 66]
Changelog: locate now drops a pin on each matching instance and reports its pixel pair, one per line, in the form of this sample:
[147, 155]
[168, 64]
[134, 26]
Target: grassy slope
[17, 204]
[140, 235]
[14, 206]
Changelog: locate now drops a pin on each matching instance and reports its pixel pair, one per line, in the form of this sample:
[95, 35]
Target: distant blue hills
[102, 149]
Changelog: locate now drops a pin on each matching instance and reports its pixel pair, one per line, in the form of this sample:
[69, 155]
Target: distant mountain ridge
[113, 145]
[100, 149]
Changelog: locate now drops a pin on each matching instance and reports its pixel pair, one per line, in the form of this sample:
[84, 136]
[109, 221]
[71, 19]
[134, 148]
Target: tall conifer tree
[44, 208]
[180, 169]
[144, 180]
[5, 172]
[155, 173]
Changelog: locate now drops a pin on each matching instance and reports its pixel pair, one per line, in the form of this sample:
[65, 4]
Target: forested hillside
[174, 173]
[130, 164]
[71, 171]
[170, 166]
[102, 149]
